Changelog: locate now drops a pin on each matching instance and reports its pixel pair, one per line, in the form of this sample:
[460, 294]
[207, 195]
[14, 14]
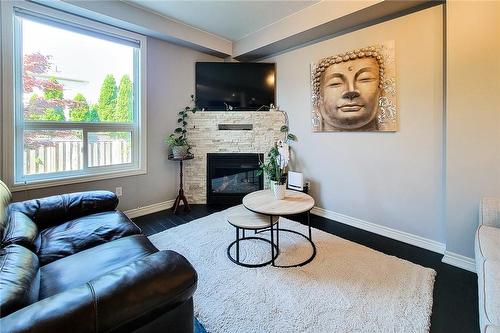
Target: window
[77, 106]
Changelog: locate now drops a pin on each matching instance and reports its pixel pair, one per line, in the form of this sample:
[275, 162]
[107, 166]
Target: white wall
[391, 179]
[473, 113]
[171, 80]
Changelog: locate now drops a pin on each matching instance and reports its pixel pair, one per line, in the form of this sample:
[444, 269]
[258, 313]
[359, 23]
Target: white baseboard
[401, 236]
[140, 211]
[458, 260]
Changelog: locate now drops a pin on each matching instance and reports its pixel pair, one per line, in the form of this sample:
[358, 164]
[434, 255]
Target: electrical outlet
[119, 191]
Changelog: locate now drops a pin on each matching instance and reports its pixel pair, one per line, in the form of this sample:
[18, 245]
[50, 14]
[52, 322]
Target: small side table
[243, 219]
[263, 202]
[181, 195]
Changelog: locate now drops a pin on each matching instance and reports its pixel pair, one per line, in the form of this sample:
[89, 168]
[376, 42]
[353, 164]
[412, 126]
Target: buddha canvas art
[355, 91]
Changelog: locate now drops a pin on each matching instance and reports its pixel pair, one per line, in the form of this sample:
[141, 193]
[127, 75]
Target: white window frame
[12, 105]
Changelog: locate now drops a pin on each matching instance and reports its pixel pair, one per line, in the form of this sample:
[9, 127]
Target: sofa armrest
[70, 311]
[20, 230]
[5, 197]
[124, 299]
[55, 210]
[489, 212]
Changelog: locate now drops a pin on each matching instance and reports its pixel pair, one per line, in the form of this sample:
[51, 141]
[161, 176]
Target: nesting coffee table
[267, 211]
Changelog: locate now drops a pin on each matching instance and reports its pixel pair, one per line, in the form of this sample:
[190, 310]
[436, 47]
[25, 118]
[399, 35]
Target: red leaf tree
[48, 107]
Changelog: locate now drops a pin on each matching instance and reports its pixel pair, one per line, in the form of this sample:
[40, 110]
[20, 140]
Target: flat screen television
[233, 86]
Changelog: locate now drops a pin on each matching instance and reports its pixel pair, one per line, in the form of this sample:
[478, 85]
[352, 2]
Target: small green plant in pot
[277, 163]
[178, 140]
[275, 170]
[178, 144]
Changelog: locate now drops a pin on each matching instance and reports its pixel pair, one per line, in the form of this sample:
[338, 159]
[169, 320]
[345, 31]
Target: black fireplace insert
[230, 176]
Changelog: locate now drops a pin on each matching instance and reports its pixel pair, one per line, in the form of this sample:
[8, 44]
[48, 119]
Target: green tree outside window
[107, 99]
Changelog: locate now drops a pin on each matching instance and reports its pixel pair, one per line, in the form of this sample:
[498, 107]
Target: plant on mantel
[178, 140]
[278, 157]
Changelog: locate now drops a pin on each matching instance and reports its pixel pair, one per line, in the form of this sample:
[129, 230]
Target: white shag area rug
[346, 288]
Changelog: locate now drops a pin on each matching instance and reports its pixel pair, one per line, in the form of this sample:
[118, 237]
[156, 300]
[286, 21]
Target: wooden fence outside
[68, 156]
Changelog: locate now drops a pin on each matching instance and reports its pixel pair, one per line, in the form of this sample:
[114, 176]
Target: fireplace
[230, 176]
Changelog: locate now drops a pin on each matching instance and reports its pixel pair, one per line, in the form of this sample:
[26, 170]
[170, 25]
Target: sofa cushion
[51, 211]
[83, 233]
[19, 278]
[19, 229]
[491, 276]
[84, 266]
[488, 242]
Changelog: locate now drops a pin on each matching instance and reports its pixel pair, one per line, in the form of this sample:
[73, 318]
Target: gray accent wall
[473, 113]
[171, 77]
[391, 179]
[428, 178]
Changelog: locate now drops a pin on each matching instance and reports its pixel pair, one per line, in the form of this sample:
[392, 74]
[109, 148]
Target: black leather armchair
[72, 263]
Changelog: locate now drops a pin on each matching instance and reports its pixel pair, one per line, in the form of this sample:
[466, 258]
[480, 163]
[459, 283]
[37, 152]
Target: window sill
[32, 185]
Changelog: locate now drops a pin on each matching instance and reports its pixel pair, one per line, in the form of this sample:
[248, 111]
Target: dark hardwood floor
[455, 307]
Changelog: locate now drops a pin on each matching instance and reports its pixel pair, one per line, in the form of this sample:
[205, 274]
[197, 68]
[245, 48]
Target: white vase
[179, 151]
[278, 191]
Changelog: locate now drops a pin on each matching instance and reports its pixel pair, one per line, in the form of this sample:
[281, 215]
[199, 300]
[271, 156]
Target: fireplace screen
[242, 182]
[231, 176]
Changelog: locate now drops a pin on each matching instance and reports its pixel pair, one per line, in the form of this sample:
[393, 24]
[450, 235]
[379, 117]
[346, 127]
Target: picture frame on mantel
[356, 91]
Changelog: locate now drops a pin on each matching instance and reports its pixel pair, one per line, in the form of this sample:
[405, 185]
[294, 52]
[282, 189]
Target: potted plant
[178, 144]
[277, 163]
[178, 140]
[275, 171]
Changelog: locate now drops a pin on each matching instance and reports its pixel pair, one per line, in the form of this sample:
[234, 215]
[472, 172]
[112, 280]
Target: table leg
[181, 191]
[184, 200]
[309, 224]
[278, 233]
[237, 244]
[176, 204]
[272, 239]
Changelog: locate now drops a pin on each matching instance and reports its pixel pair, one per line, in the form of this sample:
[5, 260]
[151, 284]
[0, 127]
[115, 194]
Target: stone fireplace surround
[205, 137]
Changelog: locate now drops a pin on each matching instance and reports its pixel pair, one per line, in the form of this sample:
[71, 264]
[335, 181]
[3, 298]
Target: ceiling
[232, 20]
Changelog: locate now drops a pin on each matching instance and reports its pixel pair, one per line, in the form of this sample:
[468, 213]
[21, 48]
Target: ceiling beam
[129, 17]
[321, 21]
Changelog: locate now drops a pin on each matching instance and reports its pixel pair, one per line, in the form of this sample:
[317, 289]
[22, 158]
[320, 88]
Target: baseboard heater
[235, 127]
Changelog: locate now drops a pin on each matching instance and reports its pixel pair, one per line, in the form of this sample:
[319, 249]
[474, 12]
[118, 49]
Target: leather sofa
[487, 251]
[73, 263]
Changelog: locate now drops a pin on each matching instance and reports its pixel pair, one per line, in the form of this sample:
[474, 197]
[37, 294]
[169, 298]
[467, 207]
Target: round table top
[264, 202]
[241, 217]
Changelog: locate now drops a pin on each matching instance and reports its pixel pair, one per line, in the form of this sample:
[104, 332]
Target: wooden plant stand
[181, 196]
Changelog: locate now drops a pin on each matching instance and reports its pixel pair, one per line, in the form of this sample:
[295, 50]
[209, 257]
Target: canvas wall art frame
[356, 90]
